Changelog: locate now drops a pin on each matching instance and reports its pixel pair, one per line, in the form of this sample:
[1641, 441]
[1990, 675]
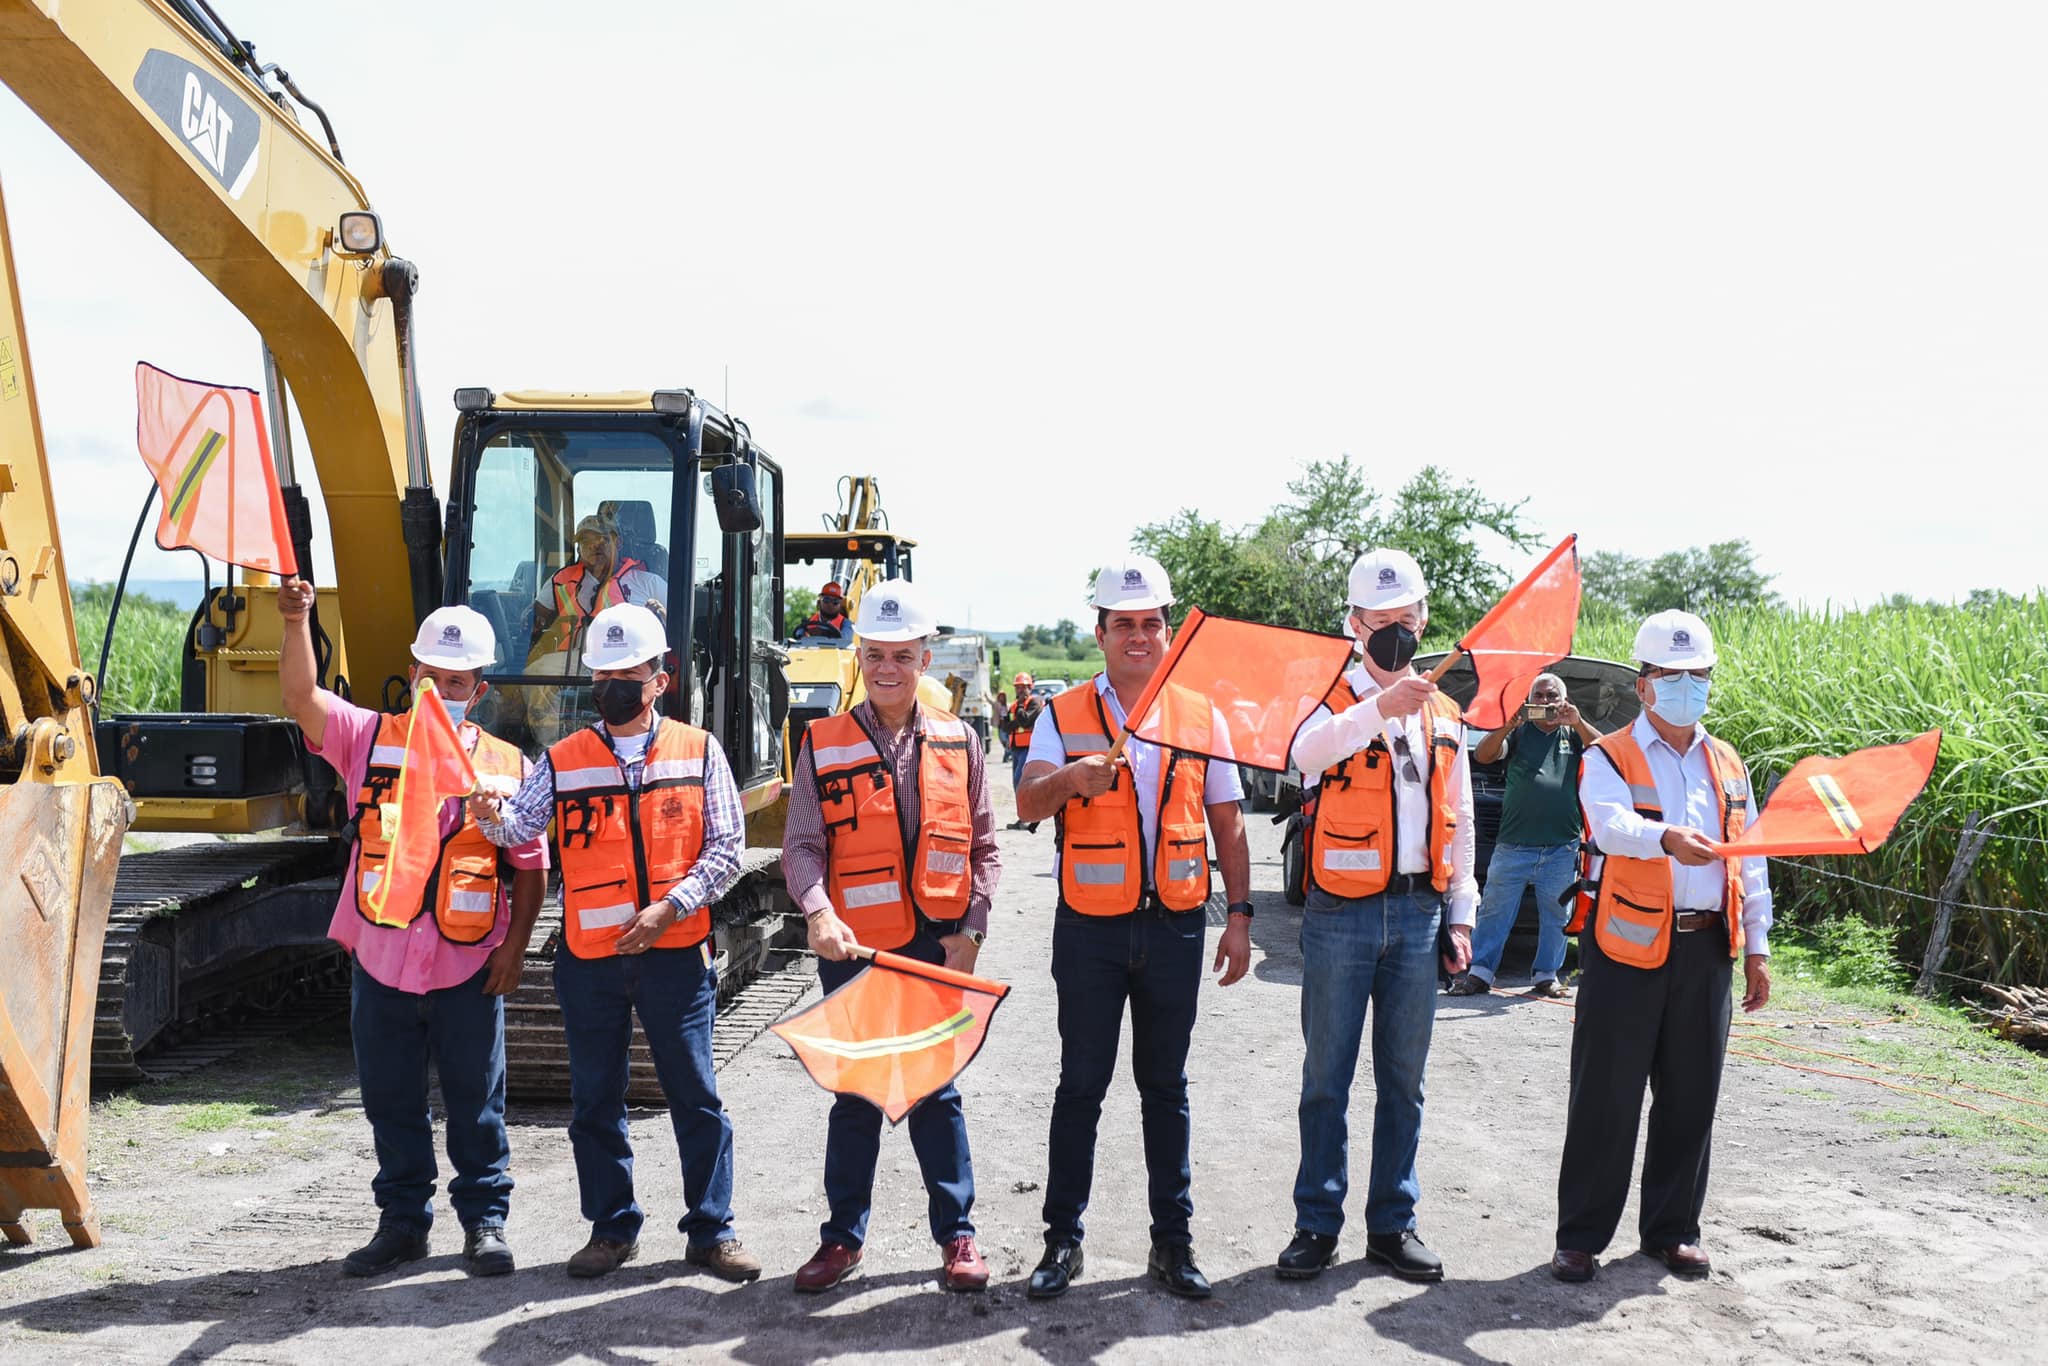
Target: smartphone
[1539, 711]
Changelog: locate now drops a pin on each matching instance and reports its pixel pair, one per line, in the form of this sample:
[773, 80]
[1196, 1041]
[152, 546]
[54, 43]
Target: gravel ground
[1834, 1238]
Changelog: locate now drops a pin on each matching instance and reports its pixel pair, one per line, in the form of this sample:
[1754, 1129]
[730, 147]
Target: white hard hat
[1133, 583]
[456, 638]
[1675, 640]
[893, 610]
[622, 636]
[1385, 579]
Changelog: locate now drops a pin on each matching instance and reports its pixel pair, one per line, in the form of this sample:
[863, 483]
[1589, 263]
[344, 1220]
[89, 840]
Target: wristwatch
[1243, 908]
[975, 937]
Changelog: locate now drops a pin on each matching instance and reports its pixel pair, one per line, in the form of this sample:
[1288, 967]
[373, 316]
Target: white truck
[963, 655]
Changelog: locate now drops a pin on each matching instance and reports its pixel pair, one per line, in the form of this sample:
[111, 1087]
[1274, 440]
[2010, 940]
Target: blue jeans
[461, 1030]
[1552, 868]
[1382, 950]
[1018, 758]
[853, 1139]
[675, 992]
[1153, 960]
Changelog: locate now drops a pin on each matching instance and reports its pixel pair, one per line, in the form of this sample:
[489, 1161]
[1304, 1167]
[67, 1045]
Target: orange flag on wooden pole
[435, 768]
[1237, 691]
[895, 1033]
[209, 451]
[1523, 634]
[1839, 806]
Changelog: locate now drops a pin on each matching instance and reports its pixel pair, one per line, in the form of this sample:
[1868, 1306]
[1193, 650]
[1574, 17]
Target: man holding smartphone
[1539, 834]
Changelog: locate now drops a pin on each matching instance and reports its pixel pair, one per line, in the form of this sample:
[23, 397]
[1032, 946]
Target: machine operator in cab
[432, 985]
[1133, 878]
[828, 620]
[890, 844]
[599, 577]
[649, 832]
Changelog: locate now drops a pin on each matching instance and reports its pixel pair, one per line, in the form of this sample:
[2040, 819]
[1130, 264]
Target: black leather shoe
[1404, 1254]
[1056, 1270]
[1173, 1266]
[391, 1247]
[485, 1251]
[1569, 1264]
[1307, 1255]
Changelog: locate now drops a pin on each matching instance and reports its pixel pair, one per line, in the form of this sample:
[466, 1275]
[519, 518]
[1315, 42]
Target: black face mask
[618, 699]
[1391, 647]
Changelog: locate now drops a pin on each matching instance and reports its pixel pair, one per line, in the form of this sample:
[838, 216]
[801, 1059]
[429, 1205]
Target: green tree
[797, 606]
[1028, 637]
[1064, 633]
[1716, 578]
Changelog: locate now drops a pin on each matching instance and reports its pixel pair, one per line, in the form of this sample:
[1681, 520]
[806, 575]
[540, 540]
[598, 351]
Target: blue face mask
[456, 710]
[1681, 699]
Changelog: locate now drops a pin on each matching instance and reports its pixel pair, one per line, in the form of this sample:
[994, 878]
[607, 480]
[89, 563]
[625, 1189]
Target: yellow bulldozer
[103, 956]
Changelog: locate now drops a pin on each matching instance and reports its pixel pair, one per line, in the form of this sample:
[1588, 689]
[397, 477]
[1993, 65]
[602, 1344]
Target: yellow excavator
[207, 143]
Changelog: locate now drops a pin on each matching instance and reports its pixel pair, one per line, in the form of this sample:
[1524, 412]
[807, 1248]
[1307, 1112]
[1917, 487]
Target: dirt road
[1834, 1238]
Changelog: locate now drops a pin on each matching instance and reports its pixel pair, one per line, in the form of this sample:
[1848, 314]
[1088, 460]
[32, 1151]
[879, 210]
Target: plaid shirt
[528, 811]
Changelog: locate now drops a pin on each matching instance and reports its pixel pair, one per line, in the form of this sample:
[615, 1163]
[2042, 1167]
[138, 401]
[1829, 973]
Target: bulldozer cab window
[566, 523]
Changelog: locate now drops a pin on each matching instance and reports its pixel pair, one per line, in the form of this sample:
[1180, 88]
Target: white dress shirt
[1327, 739]
[1221, 786]
[1686, 789]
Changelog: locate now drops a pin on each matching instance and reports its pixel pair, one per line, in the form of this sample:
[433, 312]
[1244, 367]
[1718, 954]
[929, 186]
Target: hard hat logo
[890, 610]
[451, 635]
[1681, 640]
[1134, 578]
[615, 636]
[1388, 578]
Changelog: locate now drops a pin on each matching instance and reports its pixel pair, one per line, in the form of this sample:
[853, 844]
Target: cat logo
[219, 126]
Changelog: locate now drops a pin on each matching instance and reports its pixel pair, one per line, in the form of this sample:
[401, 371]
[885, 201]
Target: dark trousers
[461, 1031]
[853, 1139]
[1153, 959]
[675, 993]
[1667, 1026]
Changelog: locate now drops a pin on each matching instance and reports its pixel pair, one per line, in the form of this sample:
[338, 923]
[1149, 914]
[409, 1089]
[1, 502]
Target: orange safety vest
[880, 877]
[568, 582]
[828, 627]
[1101, 839]
[1629, 899]
[1350, 820]
[464, 887]
[619, 849]
[1023, 720]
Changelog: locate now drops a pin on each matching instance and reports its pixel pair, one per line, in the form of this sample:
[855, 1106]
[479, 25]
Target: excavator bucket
[59, 844]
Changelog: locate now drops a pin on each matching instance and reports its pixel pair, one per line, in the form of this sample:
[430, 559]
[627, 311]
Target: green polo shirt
[1541, 805]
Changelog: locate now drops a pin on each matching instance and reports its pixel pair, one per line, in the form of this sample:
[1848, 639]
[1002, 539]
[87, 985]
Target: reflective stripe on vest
[568, 582]
[1632, 911]
[464, 890]
[880, 877]
[618, 848]
[1353, 819]
[1102, 840]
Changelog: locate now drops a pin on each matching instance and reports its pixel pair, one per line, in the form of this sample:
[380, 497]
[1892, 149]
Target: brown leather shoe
[1570, 1265]
[964, 1268]
[1683, 1259]
[727, 1260]
[828, 1266]
[601, 1255]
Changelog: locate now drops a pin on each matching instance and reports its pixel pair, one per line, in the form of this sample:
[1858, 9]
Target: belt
[1685, 922]
[1408, 884]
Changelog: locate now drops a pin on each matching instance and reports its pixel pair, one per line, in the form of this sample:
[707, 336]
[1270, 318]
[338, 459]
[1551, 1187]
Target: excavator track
[761, 973]
[205, 936]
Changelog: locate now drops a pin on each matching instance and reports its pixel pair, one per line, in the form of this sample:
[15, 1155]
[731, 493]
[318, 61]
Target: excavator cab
[563, 504]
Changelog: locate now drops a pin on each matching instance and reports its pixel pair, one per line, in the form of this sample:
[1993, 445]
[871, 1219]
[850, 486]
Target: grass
[214, 1116]
[1016, 659]
[144, 668]
[1794, 683]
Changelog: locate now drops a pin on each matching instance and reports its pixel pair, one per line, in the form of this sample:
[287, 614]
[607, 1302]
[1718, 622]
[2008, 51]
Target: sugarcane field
[1089, 683]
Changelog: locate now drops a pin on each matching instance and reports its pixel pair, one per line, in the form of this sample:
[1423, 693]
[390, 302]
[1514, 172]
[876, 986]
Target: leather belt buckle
[1687, 922]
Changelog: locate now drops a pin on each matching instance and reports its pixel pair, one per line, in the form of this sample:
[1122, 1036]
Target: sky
[1670, 274]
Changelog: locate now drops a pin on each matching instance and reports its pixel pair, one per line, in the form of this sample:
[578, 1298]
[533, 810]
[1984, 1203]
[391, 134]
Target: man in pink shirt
[431, 985]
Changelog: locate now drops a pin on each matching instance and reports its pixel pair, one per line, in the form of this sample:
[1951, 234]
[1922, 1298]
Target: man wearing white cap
[1670, 918]
[649, 832]
[1388, 831]
[1133, 880]
[429, 978]
[890, 844]
[599, 577]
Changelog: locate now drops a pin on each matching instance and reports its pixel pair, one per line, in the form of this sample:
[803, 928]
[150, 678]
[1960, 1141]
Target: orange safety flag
[1237, 691]
[436, 767]
[895, 1033]
[210, 452]
[1526, 632]
[1839, 806]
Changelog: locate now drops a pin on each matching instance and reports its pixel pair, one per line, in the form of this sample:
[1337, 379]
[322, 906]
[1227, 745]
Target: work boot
[1404, 1254]
[485, 1251]
[726, 1260]
[1305, 1257]
[392, 1246]
[601, 1255]
[1469, 984]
